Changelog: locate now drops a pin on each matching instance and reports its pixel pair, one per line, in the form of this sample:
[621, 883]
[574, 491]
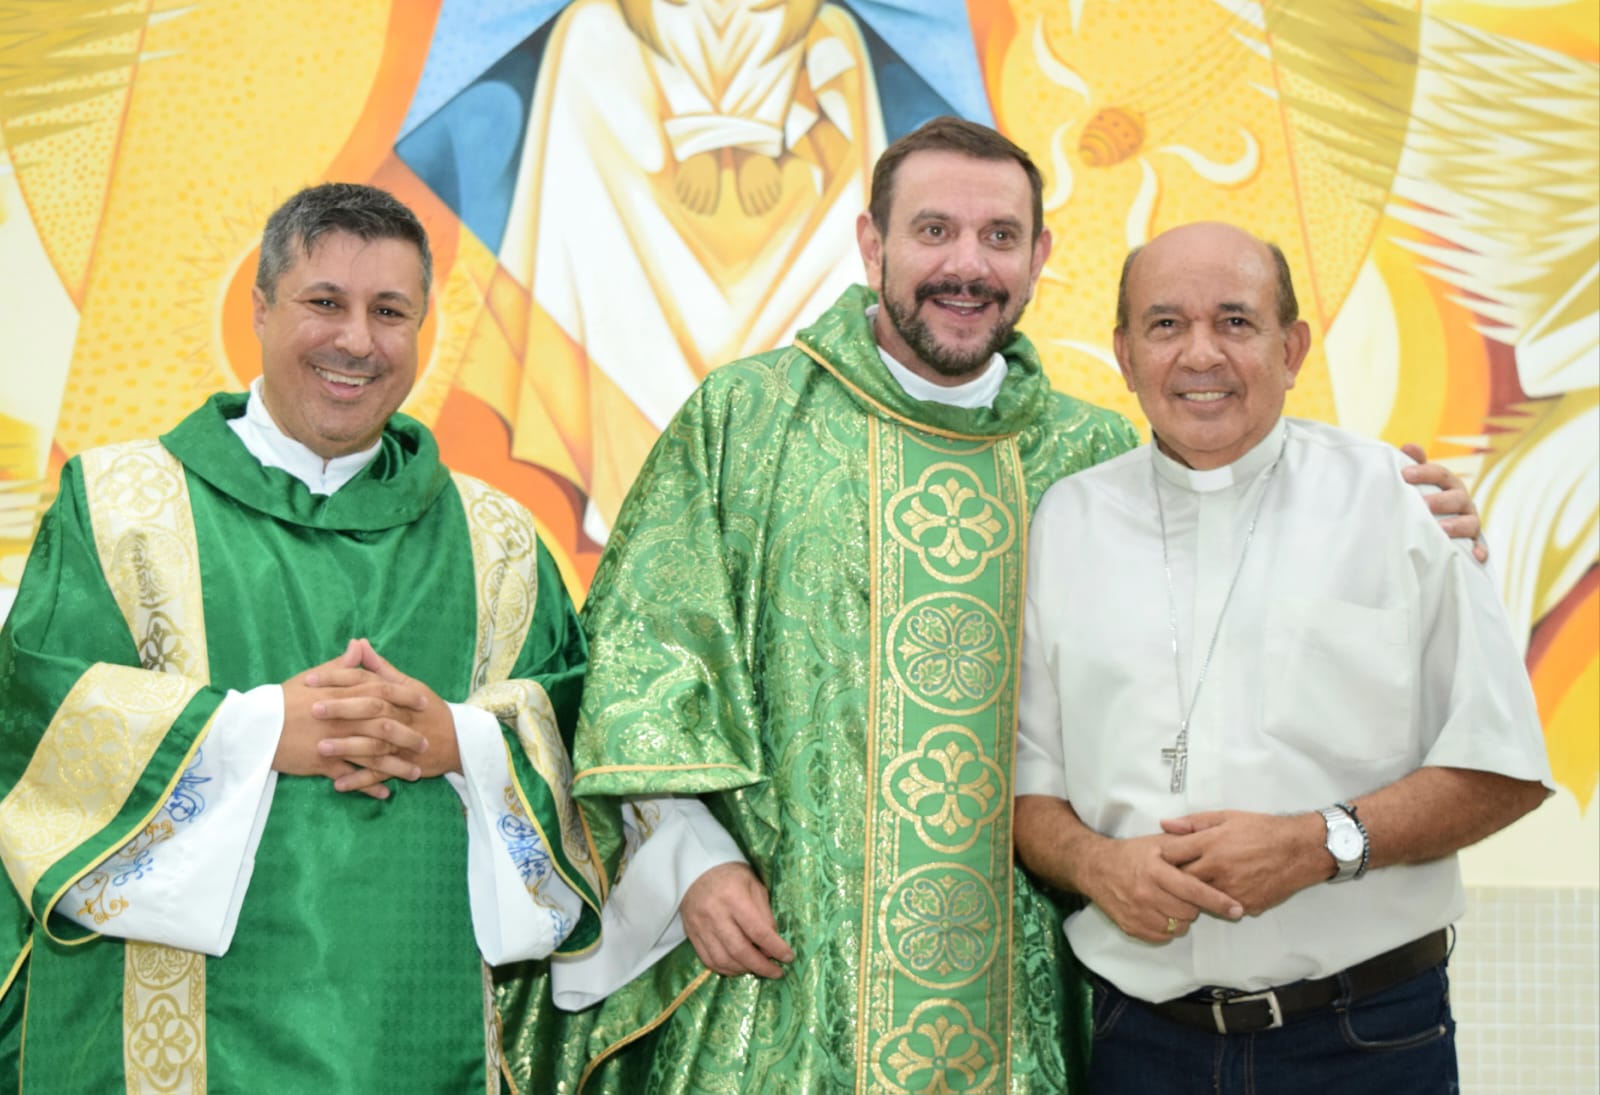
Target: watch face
[1345, 843]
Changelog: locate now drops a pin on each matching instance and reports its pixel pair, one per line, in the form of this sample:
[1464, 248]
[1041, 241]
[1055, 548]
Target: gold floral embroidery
[947, 787]
[95, 886]
[951, 522]
[950, 653]
[938, 1051]
[505, 561]
[164, 1007]
[940, 924]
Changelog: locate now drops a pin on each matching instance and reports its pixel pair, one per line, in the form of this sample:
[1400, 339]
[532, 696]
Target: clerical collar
[276, 449]
[1242, 470]
[980, 391]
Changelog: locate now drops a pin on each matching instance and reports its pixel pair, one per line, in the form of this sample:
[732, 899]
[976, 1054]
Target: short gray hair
[363, 211]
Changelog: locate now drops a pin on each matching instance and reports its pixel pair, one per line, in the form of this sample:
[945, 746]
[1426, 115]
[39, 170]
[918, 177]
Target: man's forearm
[1435, 812]
[1051, 840]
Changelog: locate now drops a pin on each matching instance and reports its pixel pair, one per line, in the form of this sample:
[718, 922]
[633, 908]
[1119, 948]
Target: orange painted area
[1445, 368]
[1564, 666]
[473, 439]
[405, 50]
[993, 28]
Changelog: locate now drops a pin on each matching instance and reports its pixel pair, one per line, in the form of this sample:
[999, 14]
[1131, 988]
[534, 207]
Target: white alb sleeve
[521, 907]
[181, 880]
[639, 922]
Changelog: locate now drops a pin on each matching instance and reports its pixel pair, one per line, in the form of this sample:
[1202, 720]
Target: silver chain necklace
[1177, 754]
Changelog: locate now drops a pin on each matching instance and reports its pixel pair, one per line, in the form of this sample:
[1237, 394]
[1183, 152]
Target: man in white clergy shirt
[226, 646]
[1264, 702]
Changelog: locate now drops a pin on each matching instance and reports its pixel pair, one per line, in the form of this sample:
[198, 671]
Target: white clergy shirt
[1359, 645]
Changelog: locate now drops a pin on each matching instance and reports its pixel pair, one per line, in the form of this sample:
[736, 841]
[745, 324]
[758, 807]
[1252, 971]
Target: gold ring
[1172, 924]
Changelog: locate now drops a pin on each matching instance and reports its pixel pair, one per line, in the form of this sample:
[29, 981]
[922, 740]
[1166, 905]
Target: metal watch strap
[1366, 840]
[1340, 823]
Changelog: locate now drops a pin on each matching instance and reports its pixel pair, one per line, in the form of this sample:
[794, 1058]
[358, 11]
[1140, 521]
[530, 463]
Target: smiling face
[1203, 348]
[956, 263]
[339, 340]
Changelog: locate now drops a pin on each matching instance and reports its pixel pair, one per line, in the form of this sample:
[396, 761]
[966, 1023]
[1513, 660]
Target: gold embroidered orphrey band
[948, 522]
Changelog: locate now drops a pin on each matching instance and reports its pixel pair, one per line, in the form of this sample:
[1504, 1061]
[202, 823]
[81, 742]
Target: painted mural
[623, 194]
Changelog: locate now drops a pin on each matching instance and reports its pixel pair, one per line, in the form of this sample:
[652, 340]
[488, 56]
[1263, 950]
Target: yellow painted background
[1430, 168]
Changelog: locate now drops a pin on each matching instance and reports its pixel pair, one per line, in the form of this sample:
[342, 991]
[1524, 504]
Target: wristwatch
[1346, 842]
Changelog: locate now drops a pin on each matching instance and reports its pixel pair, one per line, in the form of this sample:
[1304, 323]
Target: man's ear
[1296, 344]
[1119, 346]
[870, 242]
[1041, 252]
[258, 309]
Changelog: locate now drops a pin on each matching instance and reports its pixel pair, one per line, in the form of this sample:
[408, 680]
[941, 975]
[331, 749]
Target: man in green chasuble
[283, 702]
[804, 636]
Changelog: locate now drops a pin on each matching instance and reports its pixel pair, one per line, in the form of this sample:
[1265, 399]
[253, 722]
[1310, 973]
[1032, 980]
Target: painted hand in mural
[760, 182]
[699, 183]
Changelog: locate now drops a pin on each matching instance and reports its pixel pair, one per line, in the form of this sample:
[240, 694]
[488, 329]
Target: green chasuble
[167, 574]
[808, 615]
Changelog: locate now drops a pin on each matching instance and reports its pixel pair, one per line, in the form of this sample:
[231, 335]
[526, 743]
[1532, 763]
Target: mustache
[954, 287]
[337, 362]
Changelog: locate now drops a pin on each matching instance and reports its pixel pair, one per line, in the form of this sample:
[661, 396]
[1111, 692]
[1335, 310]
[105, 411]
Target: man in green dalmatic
[282, 705]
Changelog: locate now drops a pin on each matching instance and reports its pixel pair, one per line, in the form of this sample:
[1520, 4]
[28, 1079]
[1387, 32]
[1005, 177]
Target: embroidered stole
[949, 525]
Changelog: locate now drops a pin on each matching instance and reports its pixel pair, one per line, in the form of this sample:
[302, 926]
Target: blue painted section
[469, 150]
[466, 146]
[469, 37]
[931, 41]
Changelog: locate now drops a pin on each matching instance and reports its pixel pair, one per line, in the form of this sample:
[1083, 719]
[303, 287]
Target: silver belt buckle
[1270, 996]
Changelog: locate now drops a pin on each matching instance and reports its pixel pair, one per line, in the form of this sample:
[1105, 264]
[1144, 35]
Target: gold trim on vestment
[934, 1001]
[144, 533]
[164, 1019]
[505, 580]
[505, 564]
[16, 966]
[526, 705]
[628, 1039]
[607, 769]
[875, 663]
[493, 1034]
[85, 766]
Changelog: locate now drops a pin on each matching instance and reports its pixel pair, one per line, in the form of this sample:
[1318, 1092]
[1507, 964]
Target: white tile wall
[1525, 984]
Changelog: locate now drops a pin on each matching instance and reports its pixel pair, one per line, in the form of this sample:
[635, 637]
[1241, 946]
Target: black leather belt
[1235, 1011]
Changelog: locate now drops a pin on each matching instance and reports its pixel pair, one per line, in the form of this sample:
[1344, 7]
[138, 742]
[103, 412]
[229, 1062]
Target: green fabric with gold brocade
[808, 614]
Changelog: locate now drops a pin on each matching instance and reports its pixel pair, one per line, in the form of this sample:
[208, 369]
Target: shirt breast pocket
[1338, 682]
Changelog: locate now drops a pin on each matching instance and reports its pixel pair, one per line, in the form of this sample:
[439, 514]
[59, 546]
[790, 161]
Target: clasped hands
[359, 721]
[1228, 863]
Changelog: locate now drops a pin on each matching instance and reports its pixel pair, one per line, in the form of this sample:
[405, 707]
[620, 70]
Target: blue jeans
[1399, 1041]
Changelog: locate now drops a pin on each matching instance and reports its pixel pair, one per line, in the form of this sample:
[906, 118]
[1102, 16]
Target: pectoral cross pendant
[1177, 755]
